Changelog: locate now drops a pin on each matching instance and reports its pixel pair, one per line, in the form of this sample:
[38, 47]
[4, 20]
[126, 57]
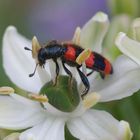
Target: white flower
[130, 47]
[17, 112]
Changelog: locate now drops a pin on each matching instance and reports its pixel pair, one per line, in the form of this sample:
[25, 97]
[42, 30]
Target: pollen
[35, 47]
[90, 100]
[39, 98]
[6, 90]
[83, 56]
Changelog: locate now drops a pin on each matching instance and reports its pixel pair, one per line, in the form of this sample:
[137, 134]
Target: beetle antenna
[28, 49]
[32, 74]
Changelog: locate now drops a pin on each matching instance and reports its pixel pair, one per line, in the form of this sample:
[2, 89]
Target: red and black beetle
[68, 52]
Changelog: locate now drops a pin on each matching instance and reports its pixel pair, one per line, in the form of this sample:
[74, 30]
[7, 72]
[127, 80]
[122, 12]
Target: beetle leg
[102, 75]
[67, 71]
[90, 73]
[57, 71]
[84, 80]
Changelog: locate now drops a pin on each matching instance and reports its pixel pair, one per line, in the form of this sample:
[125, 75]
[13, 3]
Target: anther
[83, 56]
[90, 100]
[35, 47]
[39, 98]
[6, 90]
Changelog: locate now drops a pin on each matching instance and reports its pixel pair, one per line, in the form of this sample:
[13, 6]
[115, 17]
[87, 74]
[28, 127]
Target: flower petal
[18, 115]
[125, 131]
[122, 83]
[129, 47]
[13, 136]
[93, 32]
[17, 62]
[51, 129]
[97, 125]
[118, 23]
[54, 111]
[44, 74]
[136, 29]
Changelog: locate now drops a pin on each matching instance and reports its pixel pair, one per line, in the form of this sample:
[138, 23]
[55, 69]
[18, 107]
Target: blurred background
[57, 19]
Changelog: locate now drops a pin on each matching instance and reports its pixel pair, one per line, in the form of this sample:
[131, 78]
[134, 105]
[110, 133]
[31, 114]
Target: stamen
[6, 90]
[83, 56]
[90, 100]
[32, 74]
[35, 47]
[76, 37]
[39, 98]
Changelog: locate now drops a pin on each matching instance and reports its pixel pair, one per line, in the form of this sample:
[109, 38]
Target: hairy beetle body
[68, 53]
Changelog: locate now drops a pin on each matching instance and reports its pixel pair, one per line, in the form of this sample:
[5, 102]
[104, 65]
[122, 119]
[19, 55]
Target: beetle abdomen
[98, 63]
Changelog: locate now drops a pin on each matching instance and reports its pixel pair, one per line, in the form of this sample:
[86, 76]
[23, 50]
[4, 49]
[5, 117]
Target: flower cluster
[41, 119]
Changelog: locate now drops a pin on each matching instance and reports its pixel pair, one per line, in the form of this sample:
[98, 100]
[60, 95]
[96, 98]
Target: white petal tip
[90, 100]
[119, 38]
[9, 31]
[125, 132]
[78, 29]
[76, 37]
[11, 28]
[100, 17]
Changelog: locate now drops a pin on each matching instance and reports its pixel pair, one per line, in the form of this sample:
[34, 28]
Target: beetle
[68, 53]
